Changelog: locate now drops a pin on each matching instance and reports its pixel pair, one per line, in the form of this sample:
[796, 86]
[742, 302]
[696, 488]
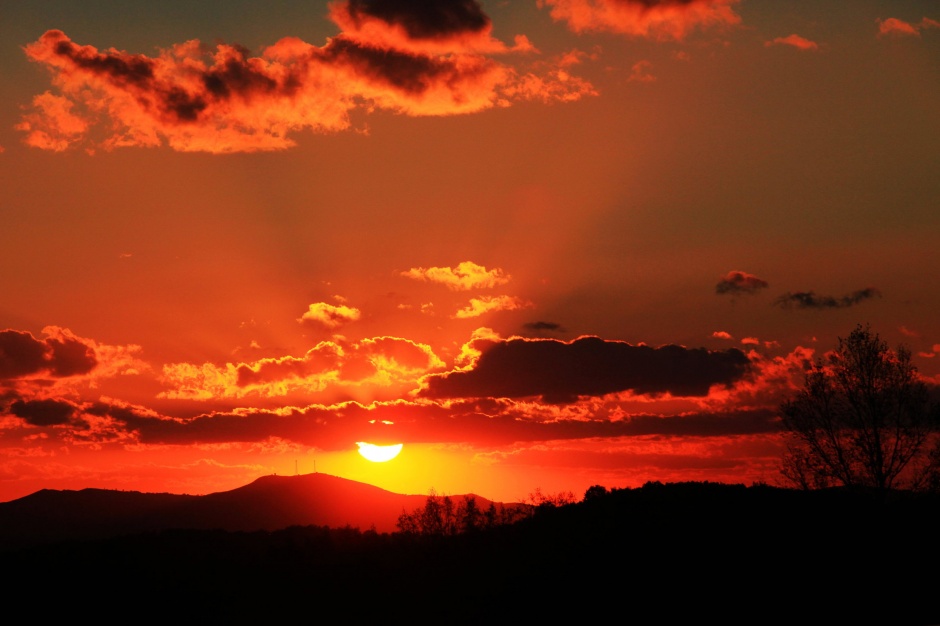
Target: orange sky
[544, 244]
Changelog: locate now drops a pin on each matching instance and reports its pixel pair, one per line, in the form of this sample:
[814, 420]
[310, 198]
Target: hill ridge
[269, 502]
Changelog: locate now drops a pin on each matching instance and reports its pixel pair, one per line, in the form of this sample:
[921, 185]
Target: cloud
[899, 28]
[640, 72]
[720, 334]
[52, 125]
[800, 43]
[588, 366]
[543, 326]
[809, 300]
[893, 26]
[662, 20]
[59, 354]
[420, 27]
[467, 275]
[331, 316]
[484, 422]
[489, 304]
[369, 367]
[409, 58]
[738, 283]
[46, 412]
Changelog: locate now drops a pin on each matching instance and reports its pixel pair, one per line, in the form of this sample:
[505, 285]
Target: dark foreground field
[670, 554]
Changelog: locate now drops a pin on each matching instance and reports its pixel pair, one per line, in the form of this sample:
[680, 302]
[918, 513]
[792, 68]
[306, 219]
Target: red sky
[544, 244]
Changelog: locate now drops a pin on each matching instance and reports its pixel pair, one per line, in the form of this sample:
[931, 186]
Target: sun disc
[378, 454]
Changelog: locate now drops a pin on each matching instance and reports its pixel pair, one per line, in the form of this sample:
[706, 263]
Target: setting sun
[378, 454]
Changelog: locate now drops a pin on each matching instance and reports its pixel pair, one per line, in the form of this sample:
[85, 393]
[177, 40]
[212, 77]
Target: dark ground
[660, 554]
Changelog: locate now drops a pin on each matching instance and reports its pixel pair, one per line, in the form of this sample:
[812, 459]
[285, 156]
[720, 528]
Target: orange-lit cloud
[329, 315]
[720, 334]
[489, 304]
[329, 368]
[894, 26]
[588, 366]
[409, 58]
[770, 381]
[656, 19]
[467, 275]
[52, 125]
[795, 41]
[738, 283]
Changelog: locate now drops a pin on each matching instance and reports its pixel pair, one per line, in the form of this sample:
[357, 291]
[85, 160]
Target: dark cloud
[20, 354]
[43, 412]
[424, 19]
[589, 366]
[409, 73]
[738, 283]
[70, 357]
[809, 299]
[59, 355]
[133, 69]
[482, 422]
[543, 326]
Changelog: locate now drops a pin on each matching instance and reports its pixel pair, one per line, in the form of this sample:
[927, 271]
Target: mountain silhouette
[269, 503]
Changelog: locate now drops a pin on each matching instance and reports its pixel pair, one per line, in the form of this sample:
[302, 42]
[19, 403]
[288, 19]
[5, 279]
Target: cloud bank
[588, 366]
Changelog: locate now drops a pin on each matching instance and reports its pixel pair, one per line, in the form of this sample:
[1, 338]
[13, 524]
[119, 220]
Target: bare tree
[862, 419]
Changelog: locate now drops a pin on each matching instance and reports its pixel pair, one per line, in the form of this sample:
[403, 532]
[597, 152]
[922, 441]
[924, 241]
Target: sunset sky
[544, 244]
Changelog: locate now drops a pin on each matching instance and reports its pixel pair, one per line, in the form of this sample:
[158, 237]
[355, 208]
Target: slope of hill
[268, 503]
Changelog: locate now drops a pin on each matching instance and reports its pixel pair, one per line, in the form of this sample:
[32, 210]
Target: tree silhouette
[862, 419]
[439, 516]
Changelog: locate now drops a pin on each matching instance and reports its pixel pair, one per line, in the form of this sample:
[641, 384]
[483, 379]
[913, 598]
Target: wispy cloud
[665, 20]
[795, 41]
[640, 72]
[810, 300]
[892, 26]
[489, 304]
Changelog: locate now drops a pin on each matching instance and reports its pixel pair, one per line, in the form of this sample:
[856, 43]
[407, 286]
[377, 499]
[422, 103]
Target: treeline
[441, 517]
